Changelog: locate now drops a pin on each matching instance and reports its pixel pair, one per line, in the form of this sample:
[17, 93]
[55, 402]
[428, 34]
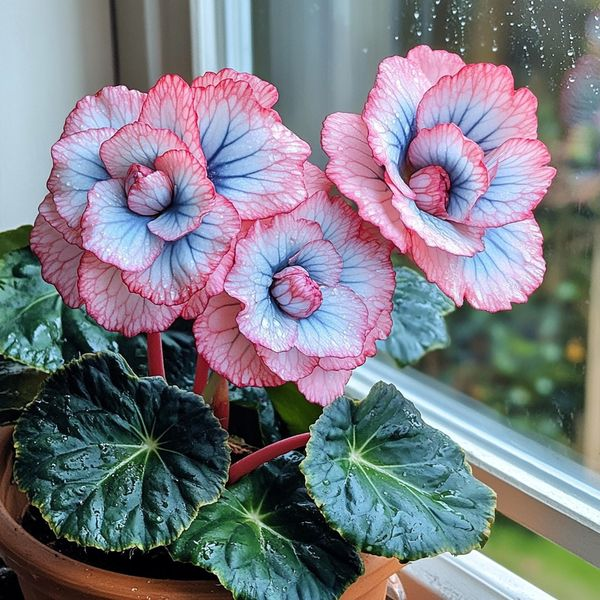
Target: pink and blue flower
[444, 160]
[306, 298]
[147, 192]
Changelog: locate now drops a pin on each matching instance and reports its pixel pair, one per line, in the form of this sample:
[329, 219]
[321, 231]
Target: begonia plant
[175, 364]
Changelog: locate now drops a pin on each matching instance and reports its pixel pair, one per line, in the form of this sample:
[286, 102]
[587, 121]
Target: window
[535, 369]
[529, 363]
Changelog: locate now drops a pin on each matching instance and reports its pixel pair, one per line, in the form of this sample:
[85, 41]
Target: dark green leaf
[257, 399]
[113, 461]
[418, 317]
[265, 539]
[15, 239]
[293, 408]
[19, 384]
[36, 327]
[390, 483]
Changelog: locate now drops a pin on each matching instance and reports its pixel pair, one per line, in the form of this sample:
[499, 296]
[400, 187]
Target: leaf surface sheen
[391, 484]
[266, 540]
[419, 308]
[114, 461]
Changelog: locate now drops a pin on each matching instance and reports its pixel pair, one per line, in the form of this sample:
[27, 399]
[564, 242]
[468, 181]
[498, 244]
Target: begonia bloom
[307, 296]
[147, 192]
[444, 160]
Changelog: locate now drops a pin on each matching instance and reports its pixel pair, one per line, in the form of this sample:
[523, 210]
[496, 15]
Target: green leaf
[418, 318]
[36, 327]
[293, 408]
[257, 400]
[114, 461]
[15, 239]
[265, 539]
[19, 384]
[391, 484]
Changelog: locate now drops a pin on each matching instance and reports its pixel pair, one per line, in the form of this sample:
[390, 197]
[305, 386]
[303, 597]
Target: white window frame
[221, 35]
[539, 487]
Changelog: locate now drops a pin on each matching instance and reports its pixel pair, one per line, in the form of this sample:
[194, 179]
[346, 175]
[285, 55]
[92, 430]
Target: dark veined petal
[113, 306]
[507, 271]
[482, 101]
[77, 167]
[170, 105]
[226, 349]
[521, 179]
[353, 169]
[59, 258]
[252, 159]
[114, 233]
[113, 107]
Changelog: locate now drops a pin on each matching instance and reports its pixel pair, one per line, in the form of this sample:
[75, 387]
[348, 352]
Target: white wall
[52, 52]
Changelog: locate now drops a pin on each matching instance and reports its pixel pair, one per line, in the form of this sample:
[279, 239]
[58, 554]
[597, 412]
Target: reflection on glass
[540, 363]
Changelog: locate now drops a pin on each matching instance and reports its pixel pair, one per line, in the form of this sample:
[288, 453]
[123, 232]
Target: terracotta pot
[45, 574]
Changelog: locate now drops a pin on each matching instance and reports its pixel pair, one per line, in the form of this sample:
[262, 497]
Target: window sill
[470, 577]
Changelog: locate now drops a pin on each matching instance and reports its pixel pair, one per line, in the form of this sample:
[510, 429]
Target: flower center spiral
[148, 192]
[295, 292]
[432, 186]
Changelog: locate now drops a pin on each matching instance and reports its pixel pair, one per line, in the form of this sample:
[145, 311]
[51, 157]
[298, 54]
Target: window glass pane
[540, 363]
[546, 565]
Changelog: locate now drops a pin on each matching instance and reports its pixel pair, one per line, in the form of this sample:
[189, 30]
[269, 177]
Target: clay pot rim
[28, 552]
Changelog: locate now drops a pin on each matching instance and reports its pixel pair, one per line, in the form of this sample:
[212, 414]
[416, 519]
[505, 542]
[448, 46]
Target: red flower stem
[156, 364]
[260, 457]
[220, 402]
[201, 376]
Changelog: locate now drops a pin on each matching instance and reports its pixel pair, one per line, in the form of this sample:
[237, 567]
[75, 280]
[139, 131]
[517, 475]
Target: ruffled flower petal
[76, 169]
[315, 180]
[113, 306]
[149, 195]
[456, 238]
[445, 146]
[522, 178]
[225, 349]
[252, 159]
[114, 233]
[216, 282]
[435, 64]
[59, 259]
[48, 210]
[191, 191]
[139, 144]
[322, 386]
[337, 220]
[509, 269]
[356, 174]
[113, 106]
[290, 365]
[170, 105]
[184, 266]
[368, 272]
[337, 328]
[482, 101]
[264, 93]
[390, 114]
[266, 325]
[321, 261]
